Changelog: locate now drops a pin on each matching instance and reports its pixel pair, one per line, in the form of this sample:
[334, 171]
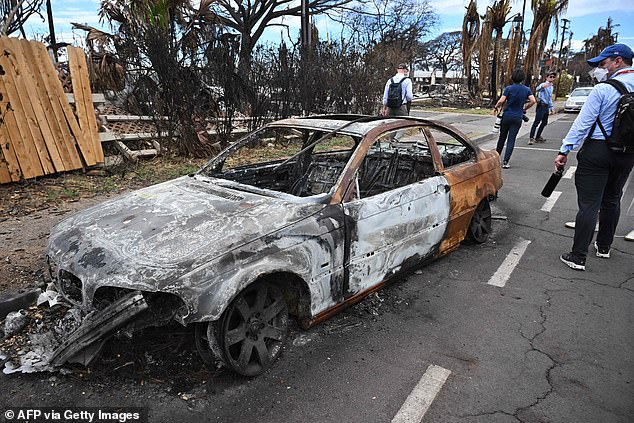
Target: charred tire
[253, 329]
[480, 226]
[207, 345]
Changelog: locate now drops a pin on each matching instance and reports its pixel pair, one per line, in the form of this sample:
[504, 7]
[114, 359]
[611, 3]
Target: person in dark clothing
[515, 97]
[544, 107]
[602, 169]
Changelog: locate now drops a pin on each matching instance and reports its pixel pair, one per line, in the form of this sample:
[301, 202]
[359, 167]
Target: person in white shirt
[406, 93]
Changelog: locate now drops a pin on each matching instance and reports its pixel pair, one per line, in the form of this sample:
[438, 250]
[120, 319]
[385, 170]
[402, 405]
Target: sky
[586, 16]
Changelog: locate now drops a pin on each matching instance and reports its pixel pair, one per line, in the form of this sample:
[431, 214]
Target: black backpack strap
[616, 84]
[605, 134]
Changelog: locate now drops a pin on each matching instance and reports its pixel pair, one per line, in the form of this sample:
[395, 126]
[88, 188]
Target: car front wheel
[253, 329]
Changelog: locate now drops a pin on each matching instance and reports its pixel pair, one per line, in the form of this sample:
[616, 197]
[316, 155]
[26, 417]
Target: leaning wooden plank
[84, 145]
[90, 107]
[24, 83]
[83, 99]
[7, 152]
[80, 106]
[14, 117]
[39, 102]
[5, 175]
[52, 87]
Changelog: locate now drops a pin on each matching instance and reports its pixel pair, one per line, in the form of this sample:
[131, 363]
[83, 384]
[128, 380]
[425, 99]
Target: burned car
[302, 217]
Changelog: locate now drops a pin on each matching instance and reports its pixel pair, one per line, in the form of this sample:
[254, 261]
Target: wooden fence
[39, 132]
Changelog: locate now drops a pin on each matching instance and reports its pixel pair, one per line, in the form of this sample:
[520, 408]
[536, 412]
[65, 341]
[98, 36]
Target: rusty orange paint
[469, 185]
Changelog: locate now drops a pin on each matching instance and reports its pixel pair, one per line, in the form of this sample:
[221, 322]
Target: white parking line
[570, 172]
[502, 275]
[417, 403]
[550, 201]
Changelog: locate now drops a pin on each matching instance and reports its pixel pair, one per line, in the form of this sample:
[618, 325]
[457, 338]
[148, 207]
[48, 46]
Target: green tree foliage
[564, 84]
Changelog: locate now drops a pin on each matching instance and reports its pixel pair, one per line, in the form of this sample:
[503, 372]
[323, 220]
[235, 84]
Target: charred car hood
[168, 229]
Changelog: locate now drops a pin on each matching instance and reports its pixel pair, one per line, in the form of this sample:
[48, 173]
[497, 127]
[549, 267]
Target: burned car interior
[311, 161]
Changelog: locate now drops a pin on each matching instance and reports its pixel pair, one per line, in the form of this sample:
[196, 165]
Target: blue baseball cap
[612, 51]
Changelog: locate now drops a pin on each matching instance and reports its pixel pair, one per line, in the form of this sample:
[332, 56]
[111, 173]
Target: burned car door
[401, 209]
[472, 181]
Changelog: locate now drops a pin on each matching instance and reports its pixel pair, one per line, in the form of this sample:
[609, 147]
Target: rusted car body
[342, 204]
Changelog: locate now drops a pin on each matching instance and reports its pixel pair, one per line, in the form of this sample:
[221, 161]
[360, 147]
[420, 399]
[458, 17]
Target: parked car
[304, 216]
[577, 99]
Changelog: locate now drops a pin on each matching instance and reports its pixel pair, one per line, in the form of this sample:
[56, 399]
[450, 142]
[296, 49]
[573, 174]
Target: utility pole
[570, 34]
[522, 38]
[561, 48]
[305, 21]
[51, 28]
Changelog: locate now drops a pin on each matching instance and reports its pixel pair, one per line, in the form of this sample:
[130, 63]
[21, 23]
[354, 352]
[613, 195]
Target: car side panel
[312, 249]
[470, 182]
[395, 229]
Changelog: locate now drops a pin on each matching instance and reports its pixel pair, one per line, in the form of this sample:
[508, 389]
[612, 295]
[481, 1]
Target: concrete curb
[18, 301]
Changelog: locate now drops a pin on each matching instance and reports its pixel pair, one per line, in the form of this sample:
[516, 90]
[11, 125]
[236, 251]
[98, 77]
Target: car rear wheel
[253, 329]
[480, 226]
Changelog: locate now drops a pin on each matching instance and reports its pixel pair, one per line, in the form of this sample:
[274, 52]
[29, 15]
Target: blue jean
[541, 117]
[599, 178]
[509, 126]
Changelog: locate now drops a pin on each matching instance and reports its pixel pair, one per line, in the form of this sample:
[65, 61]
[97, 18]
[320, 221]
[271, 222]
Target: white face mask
[599, 74]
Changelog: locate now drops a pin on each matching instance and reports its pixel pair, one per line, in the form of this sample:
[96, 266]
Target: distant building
[426, 81]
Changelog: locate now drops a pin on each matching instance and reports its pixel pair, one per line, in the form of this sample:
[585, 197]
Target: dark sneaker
[540, 139]
[531, 141]
[573, 262]
[601, 251]
[505, 165]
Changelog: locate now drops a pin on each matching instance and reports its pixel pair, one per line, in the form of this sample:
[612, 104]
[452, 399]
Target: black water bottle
[552, 182]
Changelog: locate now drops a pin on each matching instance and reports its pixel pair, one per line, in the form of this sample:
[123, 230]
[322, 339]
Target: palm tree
[515, 39]
[470, 33]
[499, 11]
[544, 12]
[484, 47]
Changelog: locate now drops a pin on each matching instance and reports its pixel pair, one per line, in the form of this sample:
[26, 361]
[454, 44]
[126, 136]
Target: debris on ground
[30, 349]
[14, 322]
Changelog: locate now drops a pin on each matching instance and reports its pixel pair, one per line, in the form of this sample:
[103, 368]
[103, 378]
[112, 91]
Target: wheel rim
[253, 329]
[480, 227]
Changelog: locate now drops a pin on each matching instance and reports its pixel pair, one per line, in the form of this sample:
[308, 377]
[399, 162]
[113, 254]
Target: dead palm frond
[499, 12]
[515, 39]
[484, 45]
[545, 12]
[470, 33]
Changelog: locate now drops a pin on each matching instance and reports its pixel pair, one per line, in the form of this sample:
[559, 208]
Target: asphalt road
[550, 345]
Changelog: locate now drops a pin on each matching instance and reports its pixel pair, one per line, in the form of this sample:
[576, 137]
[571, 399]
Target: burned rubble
[54, 332]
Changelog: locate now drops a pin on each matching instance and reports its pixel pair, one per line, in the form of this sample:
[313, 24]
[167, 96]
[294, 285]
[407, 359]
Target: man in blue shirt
[544, 107]
[602, 170]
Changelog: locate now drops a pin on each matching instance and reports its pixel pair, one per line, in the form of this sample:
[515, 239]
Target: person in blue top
[515, 97]
[544, 107]
[602, 169]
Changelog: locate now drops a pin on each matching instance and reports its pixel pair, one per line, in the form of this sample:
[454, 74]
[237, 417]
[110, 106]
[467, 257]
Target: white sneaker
[602, 252]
